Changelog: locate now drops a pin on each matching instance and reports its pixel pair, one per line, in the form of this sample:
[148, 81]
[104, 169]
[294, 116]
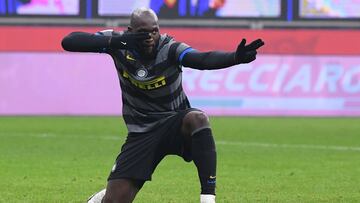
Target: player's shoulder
[169, 41]
[171, 48]
[109, 32]
[166, 39]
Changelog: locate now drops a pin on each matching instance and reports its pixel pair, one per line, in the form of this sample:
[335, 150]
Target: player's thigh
[122, 190]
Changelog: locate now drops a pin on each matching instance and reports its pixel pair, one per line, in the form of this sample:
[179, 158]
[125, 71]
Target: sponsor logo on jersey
[146, 85]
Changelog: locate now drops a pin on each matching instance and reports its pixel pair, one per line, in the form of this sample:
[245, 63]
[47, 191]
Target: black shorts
[142, 152]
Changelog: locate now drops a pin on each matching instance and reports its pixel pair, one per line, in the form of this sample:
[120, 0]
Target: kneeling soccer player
[157, 113]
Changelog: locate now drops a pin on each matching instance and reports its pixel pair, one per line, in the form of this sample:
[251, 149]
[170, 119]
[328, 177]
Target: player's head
[145, 20]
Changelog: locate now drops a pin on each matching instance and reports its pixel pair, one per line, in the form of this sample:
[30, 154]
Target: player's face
[149, 45]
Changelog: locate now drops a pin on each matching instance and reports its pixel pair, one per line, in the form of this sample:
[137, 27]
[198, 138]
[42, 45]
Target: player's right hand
[247, 53]
[128, 40]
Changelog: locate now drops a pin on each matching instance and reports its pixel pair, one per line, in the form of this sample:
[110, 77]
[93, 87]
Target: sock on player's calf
[204, 156]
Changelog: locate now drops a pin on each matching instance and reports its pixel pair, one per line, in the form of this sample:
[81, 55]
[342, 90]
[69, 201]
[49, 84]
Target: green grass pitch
[66, 159]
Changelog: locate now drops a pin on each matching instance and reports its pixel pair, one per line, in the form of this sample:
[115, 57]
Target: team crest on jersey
[142, 72]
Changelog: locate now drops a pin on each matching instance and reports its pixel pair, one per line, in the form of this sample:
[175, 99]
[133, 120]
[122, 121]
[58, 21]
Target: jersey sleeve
[107, 33]
[178, 50]
[87, 42]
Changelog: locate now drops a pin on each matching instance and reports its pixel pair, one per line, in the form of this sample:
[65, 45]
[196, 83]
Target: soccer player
[157, 113]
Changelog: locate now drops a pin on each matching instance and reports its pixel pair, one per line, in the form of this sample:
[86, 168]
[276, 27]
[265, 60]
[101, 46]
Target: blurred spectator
[50, 7]
[186, 8]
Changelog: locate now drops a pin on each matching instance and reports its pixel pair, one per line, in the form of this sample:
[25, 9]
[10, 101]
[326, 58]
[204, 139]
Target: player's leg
[196, 124]
[97, 197]
[122, 190]
[134, 165]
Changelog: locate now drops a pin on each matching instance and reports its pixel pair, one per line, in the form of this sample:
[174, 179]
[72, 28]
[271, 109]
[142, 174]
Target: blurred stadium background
[309, 67]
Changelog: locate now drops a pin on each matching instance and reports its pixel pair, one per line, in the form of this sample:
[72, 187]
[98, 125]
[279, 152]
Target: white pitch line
[58, 135]
[219, 142]
[298, 146]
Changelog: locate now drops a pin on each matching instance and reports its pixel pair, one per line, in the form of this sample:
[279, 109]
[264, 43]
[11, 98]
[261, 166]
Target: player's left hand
[247, 53]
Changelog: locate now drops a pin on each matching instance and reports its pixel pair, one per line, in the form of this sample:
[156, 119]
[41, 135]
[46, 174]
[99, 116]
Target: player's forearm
[85, 42]
[209, 60]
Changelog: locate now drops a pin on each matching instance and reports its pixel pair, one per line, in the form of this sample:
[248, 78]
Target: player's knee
[195, 120]
[201, 120]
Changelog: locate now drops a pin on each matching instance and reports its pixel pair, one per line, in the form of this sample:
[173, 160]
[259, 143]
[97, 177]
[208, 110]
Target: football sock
[204, 156]
[207, 198]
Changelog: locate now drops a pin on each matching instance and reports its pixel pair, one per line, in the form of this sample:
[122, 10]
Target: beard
[148, 52]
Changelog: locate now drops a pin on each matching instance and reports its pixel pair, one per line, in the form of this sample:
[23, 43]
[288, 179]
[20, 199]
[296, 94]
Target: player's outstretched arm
[217, 60]
[85, 42]
[88, 42]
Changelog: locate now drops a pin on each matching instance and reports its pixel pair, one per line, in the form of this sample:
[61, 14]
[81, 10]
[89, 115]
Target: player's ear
[130, 29]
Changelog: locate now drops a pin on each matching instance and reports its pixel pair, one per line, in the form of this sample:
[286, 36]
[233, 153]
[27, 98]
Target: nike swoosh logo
[130, 58]
[212, 177]
[124, 43]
